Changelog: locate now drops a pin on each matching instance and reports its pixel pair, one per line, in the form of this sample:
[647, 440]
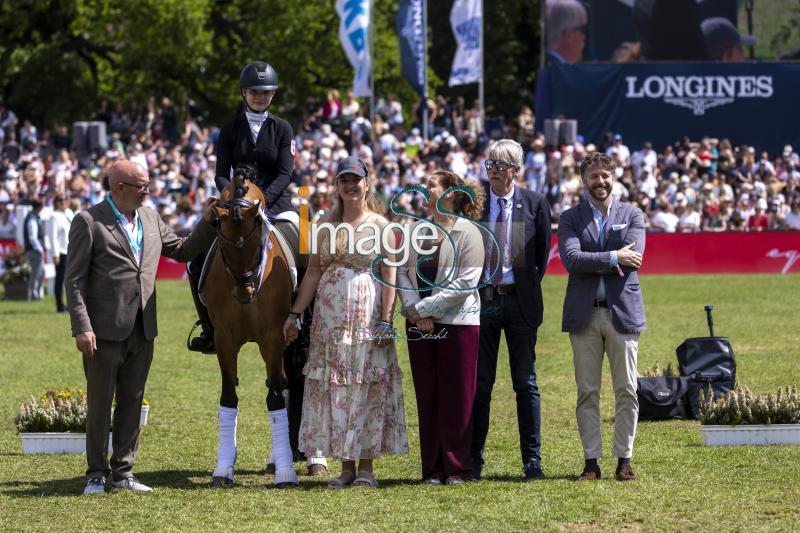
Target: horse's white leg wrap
[317, 459]
[285, 392]
[281, 451]
[226, 451]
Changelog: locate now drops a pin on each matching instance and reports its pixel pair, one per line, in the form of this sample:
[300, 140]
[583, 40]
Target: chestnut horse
[248, 292]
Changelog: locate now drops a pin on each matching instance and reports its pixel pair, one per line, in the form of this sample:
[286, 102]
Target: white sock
[317, 459]
[226, 451]
[281, 451]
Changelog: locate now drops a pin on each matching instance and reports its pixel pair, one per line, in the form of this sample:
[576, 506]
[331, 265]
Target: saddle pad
[288, 254]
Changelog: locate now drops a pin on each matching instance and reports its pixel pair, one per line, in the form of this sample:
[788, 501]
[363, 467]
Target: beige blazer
[105, 287]
[448, 305]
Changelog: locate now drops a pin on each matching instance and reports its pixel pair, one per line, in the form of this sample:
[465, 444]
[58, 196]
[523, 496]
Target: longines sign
[699, 93]
[752, 103]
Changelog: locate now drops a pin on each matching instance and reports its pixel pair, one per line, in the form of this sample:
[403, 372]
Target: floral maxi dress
[353, 397]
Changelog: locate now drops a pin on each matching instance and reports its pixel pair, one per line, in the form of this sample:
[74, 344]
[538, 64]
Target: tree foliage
[58, 58]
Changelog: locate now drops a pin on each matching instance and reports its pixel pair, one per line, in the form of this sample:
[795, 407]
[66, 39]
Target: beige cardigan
[448, 305]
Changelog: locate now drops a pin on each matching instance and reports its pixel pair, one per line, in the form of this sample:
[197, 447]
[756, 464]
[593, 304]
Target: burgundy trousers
[445, 371]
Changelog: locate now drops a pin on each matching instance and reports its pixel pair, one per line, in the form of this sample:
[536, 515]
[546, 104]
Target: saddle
[286, 228]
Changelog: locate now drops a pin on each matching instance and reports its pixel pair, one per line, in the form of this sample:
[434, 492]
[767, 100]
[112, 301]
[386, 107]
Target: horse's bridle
[250, 278]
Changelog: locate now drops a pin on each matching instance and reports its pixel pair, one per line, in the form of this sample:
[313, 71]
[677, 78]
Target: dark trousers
[61, 268]
[444, 372]
[117, 368]
[503, 313]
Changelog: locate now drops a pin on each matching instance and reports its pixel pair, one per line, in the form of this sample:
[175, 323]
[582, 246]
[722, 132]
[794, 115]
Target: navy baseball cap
[351, 165]
[721, 35]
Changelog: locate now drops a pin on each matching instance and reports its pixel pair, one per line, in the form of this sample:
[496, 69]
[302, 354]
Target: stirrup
[189, 340]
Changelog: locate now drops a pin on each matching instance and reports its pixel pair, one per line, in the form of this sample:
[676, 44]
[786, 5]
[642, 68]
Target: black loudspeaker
[560, 131]
[568, 131]
[551, 127]
[79, 137]
[96, 136]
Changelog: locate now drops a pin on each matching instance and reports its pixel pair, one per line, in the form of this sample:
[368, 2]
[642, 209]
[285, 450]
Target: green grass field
[683, 485]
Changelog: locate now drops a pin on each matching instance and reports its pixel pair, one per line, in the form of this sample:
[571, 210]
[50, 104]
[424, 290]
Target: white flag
[354, 34]
[465, 20]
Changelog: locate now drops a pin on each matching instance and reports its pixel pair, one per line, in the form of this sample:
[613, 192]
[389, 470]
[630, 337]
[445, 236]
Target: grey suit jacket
[105, 287]
[586, 261]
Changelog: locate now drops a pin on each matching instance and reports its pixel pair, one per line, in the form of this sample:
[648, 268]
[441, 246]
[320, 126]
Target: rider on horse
[261, 139]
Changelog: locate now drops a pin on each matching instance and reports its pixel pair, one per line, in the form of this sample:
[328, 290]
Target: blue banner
[749, 103]
[410, 30]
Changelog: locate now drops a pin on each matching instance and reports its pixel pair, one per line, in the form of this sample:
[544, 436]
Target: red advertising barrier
[712, 253]
[675, 253]
[665, 253]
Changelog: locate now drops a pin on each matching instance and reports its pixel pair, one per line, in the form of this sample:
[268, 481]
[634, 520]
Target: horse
[248, 292]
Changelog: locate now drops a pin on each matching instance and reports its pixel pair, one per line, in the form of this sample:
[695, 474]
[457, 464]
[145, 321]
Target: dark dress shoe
[454, 480]
[589, 474]
[533, 470]
[625, 473]
[203, 343]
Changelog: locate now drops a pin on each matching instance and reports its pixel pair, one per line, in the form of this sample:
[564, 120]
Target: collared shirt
[255, 120]
[133, 230]
[61, 221]
[494, 210]
[600, 222]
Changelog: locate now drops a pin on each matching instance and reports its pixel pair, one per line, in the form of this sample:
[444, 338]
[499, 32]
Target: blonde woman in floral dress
[353, 398]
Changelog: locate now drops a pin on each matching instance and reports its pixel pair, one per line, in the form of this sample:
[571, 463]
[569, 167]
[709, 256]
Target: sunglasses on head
[502, 166]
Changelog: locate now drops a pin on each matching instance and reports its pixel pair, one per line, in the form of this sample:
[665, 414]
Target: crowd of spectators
[690, 186]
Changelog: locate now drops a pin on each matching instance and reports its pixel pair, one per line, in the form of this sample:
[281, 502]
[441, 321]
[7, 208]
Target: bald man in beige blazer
[112, 258]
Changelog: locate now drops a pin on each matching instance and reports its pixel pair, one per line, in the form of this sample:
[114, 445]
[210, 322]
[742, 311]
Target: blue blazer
[530, 249]
[586, 261]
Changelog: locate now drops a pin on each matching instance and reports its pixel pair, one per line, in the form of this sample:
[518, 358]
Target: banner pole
[483, 62]
[425, 70]
[372, 63]
[542, 35]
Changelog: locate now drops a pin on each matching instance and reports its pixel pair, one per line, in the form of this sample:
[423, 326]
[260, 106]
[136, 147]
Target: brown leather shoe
[589, 474]
[625, 473]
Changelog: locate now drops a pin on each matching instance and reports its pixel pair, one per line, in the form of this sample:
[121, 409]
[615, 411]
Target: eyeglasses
[502, 166]
[140, 188]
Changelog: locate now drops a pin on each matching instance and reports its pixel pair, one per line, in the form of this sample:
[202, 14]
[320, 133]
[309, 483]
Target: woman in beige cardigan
[443, 325]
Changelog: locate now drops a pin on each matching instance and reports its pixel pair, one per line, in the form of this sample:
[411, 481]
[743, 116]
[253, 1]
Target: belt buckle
[503, 289]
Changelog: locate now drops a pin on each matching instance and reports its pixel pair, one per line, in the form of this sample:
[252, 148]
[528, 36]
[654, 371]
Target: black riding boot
[205, 341]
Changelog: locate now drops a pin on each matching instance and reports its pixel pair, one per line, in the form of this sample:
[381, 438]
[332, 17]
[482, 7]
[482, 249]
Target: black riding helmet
[259, 75]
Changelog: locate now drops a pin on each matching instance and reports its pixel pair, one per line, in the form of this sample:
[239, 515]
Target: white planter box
[53, 443]
[751, 435]
[58, 443]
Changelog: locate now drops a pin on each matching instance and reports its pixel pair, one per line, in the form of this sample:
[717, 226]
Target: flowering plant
[16, 266]
[740, 406]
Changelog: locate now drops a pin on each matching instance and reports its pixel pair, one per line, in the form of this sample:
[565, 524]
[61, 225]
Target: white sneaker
[132, 484]
[96, 485]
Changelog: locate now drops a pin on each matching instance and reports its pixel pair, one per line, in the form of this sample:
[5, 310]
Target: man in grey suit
[113, 253]
[601, 242]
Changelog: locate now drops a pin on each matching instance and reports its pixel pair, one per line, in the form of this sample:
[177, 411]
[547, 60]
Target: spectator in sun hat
[723, 41]
[759, 221]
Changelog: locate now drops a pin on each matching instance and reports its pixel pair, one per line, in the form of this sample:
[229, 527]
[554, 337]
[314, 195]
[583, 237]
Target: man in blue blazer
[512, 300]
[601, 242]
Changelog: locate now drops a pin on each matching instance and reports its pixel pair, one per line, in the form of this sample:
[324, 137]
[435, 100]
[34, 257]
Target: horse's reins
[249, 277]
